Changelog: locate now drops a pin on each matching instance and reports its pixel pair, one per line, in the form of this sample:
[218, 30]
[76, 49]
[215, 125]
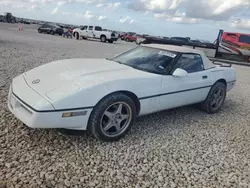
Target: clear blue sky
[194, 18]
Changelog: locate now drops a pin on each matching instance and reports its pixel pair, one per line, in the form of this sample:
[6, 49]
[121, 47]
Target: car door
[184, 90]
[45, 28]
[90, 32]
[97, 32]
[83, 31]
[134, 37]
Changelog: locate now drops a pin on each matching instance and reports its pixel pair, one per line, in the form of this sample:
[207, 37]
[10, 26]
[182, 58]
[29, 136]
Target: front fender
[89, 95]
[86, 97]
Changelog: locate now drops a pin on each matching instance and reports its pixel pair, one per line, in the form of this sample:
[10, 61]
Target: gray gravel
[182, 147]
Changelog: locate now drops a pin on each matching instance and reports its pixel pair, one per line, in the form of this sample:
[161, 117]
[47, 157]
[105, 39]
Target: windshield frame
[143, 70]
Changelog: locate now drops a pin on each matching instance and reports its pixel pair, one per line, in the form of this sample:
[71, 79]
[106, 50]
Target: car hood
[46, 78]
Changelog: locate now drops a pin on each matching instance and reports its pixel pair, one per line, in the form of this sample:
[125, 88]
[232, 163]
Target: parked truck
[9, 18]
[234, 46]
[228, 46]
[95, 32]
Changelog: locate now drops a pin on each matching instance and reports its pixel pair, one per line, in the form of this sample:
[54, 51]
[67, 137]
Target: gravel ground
[182, 147]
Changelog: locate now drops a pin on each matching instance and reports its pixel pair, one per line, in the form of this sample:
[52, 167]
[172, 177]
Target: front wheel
[52, 32]
[103, 38]
[76, 35]
[215, 98]
[112, 117]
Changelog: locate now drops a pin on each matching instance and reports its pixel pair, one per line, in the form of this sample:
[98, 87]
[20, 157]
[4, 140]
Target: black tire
[207, 105]
[103, 38]
[110, 41]
[76, 35]
[39, 31]
[51, 32]
[127, 40]
[95, 126]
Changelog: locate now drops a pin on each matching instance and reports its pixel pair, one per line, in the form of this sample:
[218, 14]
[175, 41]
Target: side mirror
[180, 73]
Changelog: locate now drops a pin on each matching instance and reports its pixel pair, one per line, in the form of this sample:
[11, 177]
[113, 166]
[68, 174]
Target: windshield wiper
[119, 62]
[113, 60]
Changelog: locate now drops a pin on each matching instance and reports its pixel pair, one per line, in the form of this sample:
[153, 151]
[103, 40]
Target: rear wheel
[215, 98]
[112, 117]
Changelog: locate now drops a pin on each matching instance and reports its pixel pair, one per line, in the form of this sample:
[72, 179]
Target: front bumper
[34, 118]
[114, 39]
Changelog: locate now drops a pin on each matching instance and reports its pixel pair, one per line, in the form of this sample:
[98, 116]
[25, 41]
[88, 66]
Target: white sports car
[104, 96]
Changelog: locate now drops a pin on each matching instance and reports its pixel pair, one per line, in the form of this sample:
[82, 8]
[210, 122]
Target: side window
[84, 28]
[231, 34]
[98, 28]
[244, 39]
[90, 28]
[190, 63]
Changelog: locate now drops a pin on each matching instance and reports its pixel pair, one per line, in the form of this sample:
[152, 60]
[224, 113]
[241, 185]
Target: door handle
[204, 77]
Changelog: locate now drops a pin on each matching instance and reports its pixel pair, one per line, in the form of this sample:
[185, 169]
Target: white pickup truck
[95, 32]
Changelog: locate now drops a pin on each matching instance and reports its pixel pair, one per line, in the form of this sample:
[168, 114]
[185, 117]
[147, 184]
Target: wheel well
[131, 96]
[135, 100]
[222, 81]
[103, 35]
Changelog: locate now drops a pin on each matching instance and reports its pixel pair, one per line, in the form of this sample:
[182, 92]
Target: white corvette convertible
[104, 96]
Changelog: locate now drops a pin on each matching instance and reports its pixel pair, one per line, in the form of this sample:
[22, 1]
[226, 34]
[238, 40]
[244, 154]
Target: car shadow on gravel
[177, 118]
[70, 132]
[164, 122]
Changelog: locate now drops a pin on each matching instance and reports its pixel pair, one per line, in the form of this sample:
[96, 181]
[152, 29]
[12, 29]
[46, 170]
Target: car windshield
[147, 59]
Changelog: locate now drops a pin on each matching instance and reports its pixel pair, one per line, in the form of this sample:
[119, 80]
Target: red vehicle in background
[124, 35]
[71, 30]
[68, 32]
[132, 38]
[235, 46]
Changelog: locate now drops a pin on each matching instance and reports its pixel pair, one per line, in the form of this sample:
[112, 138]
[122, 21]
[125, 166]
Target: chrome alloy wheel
[218, 98]
[116, 119]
